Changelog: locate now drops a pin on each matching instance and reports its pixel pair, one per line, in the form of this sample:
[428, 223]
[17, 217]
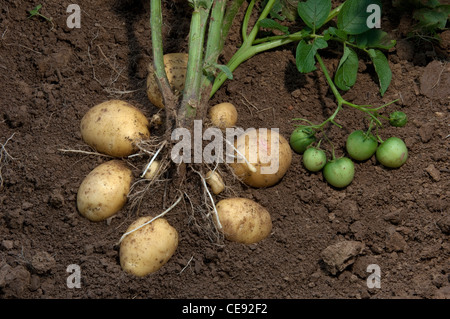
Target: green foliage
[314, 13]
[353, 31]
[353, 16]
[430, 15]
[305, 59]
[347, 70]
[35, 12]
[382, 68]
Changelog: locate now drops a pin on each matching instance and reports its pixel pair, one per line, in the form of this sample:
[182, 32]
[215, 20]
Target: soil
[397, 219]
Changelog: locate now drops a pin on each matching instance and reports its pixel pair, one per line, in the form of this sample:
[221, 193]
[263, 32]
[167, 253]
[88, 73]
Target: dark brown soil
[51, 75]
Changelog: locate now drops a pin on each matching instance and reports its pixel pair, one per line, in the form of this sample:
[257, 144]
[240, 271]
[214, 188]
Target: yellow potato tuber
[103, 192]
[267, 155]
[146, 249]
[175, 65]
[114, 128]
[243, 220]
[223, 115]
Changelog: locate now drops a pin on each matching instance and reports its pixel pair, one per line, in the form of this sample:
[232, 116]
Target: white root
[153, 159]
[4, 155]
[250, 166]
[186, 265]
[84, 152]
[216, 214]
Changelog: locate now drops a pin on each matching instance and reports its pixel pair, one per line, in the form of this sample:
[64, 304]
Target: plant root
[4, 157]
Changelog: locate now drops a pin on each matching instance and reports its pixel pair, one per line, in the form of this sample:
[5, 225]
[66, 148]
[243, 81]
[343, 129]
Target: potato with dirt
[114, 128]
[104, 191]
[243, 220]
[175, 65]
[223, 115]
[147, 245]
[267, 154]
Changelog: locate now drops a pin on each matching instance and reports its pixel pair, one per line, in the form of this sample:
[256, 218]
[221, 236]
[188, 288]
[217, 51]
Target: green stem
[157, 43]
[215, 41]
[333, 88]
[244, 54]
[371, 111]
[248, 50]
[252, 46]
[247, 16]
[334, 13]
[194, 72]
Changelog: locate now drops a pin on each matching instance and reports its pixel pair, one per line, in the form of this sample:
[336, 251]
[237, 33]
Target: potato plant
[182, 84]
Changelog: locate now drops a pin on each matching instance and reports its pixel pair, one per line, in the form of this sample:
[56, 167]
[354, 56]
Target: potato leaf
[333, 32]
[430, 19]
[314, 12]
[305, 54]
[353, 16]
[347, 70]
[382, 69]
[276, 12]
[374, 38]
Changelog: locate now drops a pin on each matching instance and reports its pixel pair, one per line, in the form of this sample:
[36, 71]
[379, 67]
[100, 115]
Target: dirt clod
[339, 256]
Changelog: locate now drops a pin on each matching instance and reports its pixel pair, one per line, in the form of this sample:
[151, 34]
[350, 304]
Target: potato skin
[175, 65]
[113, 128]
[103, 192]
[223, 115]
[147, 249]
[243, 220]
[260, 178]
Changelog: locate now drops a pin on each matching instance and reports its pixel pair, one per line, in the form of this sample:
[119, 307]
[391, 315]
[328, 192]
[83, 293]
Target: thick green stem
[157, 44]
[194, 73]
[214, 44]
[215, 36]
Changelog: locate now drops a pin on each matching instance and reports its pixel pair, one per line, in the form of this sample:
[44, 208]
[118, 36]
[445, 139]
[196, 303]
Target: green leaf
[432, 3]
[374, 38]
[35, 10]
[225, 69]
[305, 53]
[353, 16]
[347, 70]
[382, 69]
[276, 11]
[314, 12]
[332, 31]
[272, 24]
[435, 18]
